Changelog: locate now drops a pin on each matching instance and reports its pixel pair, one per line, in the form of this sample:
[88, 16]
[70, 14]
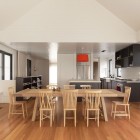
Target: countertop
[85, 81]
[123, 80]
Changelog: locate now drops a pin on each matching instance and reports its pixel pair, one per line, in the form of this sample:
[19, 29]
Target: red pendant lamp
[82, 58]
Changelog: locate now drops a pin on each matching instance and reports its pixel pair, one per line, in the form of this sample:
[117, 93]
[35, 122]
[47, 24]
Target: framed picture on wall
[28, 67]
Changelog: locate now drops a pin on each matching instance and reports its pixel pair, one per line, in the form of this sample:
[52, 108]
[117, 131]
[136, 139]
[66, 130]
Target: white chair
[47, 107]
[92, 105]
[70, 103]
[13, 103]
[52, 86]
[125, 104]
[69, 86]
[85, 86]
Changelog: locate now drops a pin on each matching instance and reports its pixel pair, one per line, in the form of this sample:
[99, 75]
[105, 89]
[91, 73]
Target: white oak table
[36, 93]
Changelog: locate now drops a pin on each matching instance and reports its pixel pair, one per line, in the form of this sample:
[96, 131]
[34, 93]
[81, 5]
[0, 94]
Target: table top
[81, 92]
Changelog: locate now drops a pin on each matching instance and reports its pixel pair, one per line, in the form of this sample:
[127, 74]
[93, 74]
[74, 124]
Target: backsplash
[131, 73]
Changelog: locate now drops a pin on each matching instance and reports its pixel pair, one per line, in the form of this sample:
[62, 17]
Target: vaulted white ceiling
[12, 10]
[126, 10]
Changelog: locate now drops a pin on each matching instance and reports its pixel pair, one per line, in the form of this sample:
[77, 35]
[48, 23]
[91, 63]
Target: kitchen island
[94, 84]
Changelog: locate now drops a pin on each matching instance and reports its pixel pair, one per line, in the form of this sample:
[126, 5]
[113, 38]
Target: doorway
[95, 71]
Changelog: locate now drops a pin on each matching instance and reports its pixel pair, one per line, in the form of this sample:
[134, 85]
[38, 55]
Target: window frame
[118, 72]
[110, 60]
[3, 64]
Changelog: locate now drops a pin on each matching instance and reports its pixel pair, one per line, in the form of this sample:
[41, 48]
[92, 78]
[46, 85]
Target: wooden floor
[17, 128]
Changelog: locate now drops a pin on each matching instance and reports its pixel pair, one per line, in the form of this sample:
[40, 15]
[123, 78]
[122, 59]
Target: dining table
[104, 93]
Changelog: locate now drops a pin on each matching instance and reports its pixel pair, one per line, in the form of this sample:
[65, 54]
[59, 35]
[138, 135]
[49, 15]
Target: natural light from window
[7, 67]
[53, 74]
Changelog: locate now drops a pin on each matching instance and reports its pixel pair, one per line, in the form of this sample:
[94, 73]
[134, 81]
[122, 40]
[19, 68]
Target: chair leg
[40, 117]
[75, 118]
[115, 108]
[128, 111]
[87, 117]
[50, 118]
[23, 111]
[26, 109]
[112, 109]
[98, 118]
[64, 118]
[10, 107]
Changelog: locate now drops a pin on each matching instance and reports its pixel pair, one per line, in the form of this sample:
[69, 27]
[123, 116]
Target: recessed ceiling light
[103, 50]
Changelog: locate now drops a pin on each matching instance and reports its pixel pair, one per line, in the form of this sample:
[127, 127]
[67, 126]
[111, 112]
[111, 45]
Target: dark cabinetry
[27, 82]
[128, 56]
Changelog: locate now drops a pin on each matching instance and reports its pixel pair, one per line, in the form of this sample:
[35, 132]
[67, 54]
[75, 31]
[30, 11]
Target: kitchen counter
[114, 83]
[94, 84]
[85, 81]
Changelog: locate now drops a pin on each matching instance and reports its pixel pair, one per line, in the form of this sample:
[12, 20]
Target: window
[5, 66]
[118, 72]
[110, 67]
[53, 74]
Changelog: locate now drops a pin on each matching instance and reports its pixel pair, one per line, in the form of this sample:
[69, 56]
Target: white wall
[68, 21]
[5, 48]
[66, 66]
[22, 64]
[4, 84]
[41, 68]
[104, 66]
[38, 67]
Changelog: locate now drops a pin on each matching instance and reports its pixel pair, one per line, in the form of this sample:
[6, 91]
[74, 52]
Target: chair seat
[119, 103]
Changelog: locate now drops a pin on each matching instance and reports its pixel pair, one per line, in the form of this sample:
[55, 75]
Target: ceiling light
[103, 50]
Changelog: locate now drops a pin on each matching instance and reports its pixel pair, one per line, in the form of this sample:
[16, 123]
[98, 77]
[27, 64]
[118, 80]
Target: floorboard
[17, 128]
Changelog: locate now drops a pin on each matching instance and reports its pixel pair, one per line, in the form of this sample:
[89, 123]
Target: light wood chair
[124, 103]
[70, 103]
[84, 87]
[92, 105]
[69, 86]
[47, 107]
[13, 104]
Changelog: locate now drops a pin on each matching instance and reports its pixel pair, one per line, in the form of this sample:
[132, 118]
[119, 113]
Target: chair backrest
[46, 100]
[69, 98]
[127, 94]
[51, 86]
[11, 91]
[93, 98]
[69, 86]
[85, 86]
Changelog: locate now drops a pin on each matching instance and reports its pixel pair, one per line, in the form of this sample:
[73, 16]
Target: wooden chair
[13, 103]
[84, 87]
[69, 86]
[124, 103]
[92, 105]
[47, 107]
[69, 103]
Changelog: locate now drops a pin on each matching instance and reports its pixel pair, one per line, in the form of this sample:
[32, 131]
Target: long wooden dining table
[36, 92]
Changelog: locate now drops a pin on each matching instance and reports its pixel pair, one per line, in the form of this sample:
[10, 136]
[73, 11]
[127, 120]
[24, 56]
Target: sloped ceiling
[11, 10]
[126, 10]
[68, 21]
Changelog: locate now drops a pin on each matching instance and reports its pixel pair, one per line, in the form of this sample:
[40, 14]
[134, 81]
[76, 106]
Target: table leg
[35, 109]
[104, 109]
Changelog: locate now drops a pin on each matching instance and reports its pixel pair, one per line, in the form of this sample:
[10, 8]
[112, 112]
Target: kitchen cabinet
[128, 57]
